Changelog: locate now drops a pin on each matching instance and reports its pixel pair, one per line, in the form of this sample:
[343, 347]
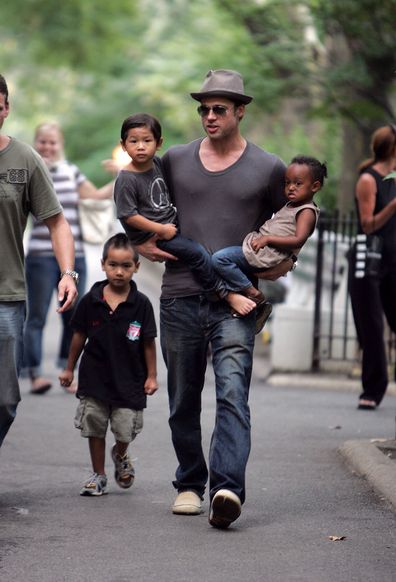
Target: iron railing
[334, 336]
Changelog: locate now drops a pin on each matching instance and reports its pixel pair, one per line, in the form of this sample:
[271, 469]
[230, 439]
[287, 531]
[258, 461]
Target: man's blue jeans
[12, 316]
[188, 326]
[42, 278]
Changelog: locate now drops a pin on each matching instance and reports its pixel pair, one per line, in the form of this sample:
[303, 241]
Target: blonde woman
[42, 271]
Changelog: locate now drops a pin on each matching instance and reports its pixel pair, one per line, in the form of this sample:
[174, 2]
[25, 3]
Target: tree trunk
[354, 150]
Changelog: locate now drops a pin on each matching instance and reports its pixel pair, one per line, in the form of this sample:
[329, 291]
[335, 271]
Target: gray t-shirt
[218, 209]
[143, 193]
[25, 186]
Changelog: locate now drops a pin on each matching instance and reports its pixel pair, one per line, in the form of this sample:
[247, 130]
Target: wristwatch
[71, 273]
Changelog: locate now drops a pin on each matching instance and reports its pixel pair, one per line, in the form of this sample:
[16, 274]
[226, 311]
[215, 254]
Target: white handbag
[97, 218]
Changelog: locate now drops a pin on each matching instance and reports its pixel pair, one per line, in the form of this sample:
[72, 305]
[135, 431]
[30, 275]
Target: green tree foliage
[75, 34]
[341, 54]
[346, 48]
[361, 65]
[358, 76]
[277, 27]
[320, 71]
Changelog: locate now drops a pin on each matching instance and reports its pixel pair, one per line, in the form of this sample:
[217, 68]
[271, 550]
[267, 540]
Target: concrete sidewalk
[300, 493]
[374, 459]
[363, 457]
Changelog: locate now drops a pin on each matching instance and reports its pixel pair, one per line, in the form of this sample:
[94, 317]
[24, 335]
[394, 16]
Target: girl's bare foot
[240, 304]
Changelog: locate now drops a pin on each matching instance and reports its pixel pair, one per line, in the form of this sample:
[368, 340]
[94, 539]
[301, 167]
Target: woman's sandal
[365, 404]
[40, 386]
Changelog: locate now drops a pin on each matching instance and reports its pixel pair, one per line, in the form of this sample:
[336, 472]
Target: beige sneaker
[225, 508]
[187, 503]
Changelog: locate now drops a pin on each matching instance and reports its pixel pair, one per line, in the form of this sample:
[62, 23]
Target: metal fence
[334, 335]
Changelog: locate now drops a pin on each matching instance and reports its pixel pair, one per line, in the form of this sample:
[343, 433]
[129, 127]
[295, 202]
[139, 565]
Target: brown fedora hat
[223, 83]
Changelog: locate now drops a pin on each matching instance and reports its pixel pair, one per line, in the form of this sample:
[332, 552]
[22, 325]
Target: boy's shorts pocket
[78, 417]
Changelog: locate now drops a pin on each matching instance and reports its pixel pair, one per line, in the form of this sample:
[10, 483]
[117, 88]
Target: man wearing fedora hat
[223, 187]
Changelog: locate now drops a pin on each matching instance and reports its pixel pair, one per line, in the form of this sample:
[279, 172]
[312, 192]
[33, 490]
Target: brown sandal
[365, 404]
[40, 386]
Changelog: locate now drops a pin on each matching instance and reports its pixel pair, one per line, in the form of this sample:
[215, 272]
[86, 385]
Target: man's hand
[113, 166]
[150, 250]
[150, 386]
[275, 272]
[66, 378]
[67, 293]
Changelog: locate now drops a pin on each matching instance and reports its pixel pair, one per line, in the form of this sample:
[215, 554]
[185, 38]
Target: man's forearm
[62, 241]
[279, 270]
[63, 247]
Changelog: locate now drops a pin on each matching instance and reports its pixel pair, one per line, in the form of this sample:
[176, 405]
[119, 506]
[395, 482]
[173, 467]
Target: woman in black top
[373, 295]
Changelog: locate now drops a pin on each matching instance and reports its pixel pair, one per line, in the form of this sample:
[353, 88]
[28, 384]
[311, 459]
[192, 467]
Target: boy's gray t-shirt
[218, 209]
[143, 193]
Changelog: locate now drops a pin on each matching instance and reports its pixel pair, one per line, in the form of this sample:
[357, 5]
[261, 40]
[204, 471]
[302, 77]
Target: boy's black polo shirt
[113, 367]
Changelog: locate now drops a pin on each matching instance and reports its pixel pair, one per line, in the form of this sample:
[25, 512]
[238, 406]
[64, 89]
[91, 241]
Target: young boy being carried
[114, 330]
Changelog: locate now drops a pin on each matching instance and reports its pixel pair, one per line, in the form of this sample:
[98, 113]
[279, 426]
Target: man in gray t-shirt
[223, 187]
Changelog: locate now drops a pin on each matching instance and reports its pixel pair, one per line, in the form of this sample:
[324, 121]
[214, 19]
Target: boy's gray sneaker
[124, 473]
[96, 485]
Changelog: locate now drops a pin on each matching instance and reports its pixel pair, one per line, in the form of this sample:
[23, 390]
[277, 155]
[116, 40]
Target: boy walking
[114, 329]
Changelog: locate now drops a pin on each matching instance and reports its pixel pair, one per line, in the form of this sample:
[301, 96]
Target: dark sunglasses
[204, 110]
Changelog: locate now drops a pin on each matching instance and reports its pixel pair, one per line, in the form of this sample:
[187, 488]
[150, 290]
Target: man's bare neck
[217, 155]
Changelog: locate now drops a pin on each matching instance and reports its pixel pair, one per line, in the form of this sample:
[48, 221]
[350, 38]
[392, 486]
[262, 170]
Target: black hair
[4, 88]
[317, 169]
[141, 120]
[119, 241]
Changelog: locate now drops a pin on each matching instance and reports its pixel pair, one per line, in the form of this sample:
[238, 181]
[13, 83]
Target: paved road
[299, 493]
